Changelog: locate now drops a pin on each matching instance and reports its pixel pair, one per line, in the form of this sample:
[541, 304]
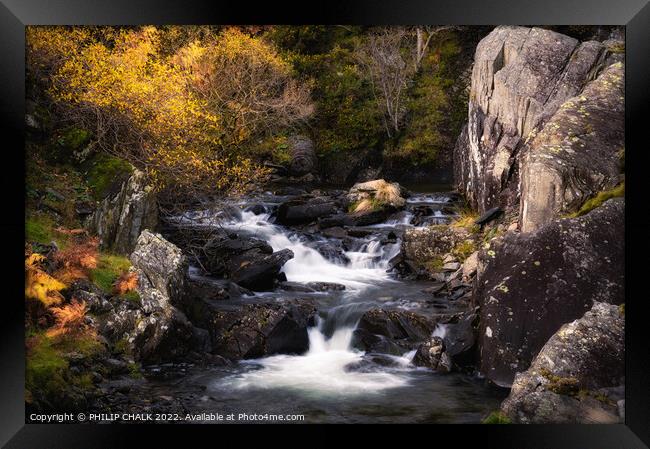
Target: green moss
[464, 249]
[73, 138]
[621, 309]
[109, 268]
[497, 417]
[45, 367]
[105, 172]
[560, 385]
[617, 47]
[39, 228]
[599, 199]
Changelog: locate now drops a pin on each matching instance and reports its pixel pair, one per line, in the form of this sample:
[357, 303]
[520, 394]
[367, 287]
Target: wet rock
[379, 328]
[335, 233]
[218, 253]
[120, 219]
[460, 339]
[332, 251]
[431, 354]
[257, 209]
[362, 218]
[573, 377]
[258, 271]
[305, 210]
[325, 286]
[549, 278]
[295, 287]
[256, 330]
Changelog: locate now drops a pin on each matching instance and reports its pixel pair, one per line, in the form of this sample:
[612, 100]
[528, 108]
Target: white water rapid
[324, 369]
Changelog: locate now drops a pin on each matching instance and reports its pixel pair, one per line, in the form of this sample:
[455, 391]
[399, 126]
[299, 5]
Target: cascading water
[334, 381]
[366, 268]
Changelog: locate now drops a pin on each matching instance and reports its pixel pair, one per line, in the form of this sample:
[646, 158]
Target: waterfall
[367, 265]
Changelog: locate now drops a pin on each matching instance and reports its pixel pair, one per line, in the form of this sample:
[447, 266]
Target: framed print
[423, 213]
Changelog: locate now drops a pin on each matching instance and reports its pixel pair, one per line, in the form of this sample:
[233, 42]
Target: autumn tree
[183, 117]
[246, 83]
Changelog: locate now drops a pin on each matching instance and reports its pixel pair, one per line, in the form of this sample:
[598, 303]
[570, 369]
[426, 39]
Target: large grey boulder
[420, 246]
[529, 285]
[576, 377]
[120, 219]
[577, 153]
[521, 76]
[154, 327]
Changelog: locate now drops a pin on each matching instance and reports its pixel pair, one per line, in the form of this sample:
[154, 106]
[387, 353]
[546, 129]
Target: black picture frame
[16, 14]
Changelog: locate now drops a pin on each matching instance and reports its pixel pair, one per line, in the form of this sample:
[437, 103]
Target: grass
[496, 418]
[366, 205]
[109, 268]
[598, 200]
[466, 219]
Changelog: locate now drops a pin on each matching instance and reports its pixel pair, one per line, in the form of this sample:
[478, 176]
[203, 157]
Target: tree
[389, 71]
[246, 83]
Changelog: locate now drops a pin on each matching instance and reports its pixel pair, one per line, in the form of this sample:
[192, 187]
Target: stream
[334, 381]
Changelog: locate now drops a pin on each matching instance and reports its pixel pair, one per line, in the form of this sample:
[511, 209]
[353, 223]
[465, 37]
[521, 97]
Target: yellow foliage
[140, 104]
[39, 285]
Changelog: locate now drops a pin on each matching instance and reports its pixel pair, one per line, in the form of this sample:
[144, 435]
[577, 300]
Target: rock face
[528, 285]
[575, 377]
[521, 76]
[259, 272]
[119, 220]
[577, 153]
[153, 326]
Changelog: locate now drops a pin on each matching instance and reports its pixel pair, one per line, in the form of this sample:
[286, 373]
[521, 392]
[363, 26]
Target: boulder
[422, 245]
[162, 264]
[260, 329]
[431, 354]
[379, 192]
[577, 153]
[258, 271]
[360, 218]
[520, 77]
[120, 219]
[381, 330]
[153, 326]
[576, 375]
[305, 210]
[217, 253]
[528, 285]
